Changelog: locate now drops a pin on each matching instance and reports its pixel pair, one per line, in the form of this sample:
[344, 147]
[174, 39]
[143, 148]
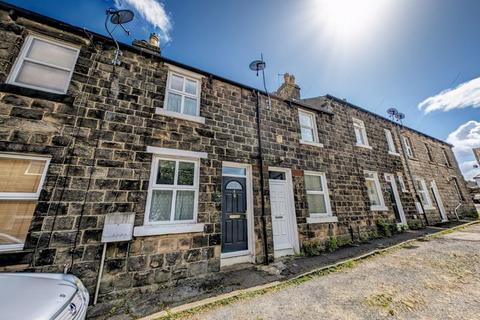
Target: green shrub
[311, 247]
[384, 228]
[472, 214]
[415, 224]
[331, 244]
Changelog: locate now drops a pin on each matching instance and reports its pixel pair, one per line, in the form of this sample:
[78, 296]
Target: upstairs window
[429, 152]
[374, 191]
[446, 158]
[44, 64]
[21, 180]
[360, 133]
[408, 147]
[390, 143]
[183, 94]
[173, 192]
[308, 126]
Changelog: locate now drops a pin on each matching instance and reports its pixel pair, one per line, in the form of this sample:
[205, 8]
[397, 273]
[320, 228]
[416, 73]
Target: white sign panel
[118, 227]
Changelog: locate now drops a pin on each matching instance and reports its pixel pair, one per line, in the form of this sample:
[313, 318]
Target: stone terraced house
[213, 173]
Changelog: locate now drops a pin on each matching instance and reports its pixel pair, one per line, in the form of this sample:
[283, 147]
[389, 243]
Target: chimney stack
[152, 45]
[289, 89]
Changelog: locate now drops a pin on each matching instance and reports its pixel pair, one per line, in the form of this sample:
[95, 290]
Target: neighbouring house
[214, 174]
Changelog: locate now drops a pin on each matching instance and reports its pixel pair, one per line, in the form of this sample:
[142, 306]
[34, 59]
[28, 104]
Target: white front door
[285, 240]
[439, 201]
[395, 198]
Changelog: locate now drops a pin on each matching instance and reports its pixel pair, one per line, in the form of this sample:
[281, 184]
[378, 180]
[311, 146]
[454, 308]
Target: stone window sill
[394, 153]
[325, 219]
[429, 208]
[11, 247]
[363, 146]
[177, 115]
[378, 208]
[34, 93]
[310, 143]
[154, 230]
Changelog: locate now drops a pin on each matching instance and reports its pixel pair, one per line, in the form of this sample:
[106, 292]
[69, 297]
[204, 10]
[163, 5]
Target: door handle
[278, 217]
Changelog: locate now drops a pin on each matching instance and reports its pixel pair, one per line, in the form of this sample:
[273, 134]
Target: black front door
[394, 202]
[234, 214]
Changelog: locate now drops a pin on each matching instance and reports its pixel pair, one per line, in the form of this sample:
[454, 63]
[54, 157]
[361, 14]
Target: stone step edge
[216, 299]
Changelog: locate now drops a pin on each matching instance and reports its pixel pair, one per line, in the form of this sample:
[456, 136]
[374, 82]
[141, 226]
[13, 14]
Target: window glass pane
[52, 54]
[174, 102]
[307, 135]
[186, 171]
[15, 219]
[373, 193]
[233, 185]
[360, 136]
[176, 82]
[313, 183]
[184, 205]
[166, 172]
[20, 175]
[316, 203]
[305, 120]
[161, 205]
[190, 106]
[191, 86]
[234, 171]
[42, 76]
[276, 175]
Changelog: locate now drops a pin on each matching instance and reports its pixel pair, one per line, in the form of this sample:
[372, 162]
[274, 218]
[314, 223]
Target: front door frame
[292, 217]
[438, 200]
[390, 178]
[244, 256]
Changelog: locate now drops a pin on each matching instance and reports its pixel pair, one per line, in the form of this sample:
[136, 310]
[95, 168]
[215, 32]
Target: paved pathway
[436, 279]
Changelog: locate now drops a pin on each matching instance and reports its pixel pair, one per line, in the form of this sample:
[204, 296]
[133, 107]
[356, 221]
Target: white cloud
[464, 95]
[464, 138]
[153, 11]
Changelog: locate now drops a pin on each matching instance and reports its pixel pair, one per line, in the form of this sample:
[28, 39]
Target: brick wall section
[97, 137]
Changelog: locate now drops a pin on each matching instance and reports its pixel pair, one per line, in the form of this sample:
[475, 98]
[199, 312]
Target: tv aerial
[118, 18]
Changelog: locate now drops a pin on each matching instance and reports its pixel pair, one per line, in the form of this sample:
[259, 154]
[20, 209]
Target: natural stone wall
[97, 136]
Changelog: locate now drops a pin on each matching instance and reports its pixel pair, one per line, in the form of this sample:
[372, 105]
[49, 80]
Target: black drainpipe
[262, 184]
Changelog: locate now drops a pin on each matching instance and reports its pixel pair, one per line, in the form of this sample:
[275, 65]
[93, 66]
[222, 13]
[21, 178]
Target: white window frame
[378, 186]
[360, 125]
[172, 187]
[448, 163]
[313, 118]
[28, 196]
[320, 217]
[408, 147]
[23, 57]
[150, 228]
[186, 75]
[424, 190]
[401, 182]
[390, 142]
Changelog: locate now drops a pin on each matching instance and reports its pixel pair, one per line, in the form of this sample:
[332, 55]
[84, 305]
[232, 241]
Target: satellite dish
[400, 116]
[392, 111]
[121, 16]
[257, 65]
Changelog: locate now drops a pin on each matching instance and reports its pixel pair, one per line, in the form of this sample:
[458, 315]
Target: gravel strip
[436, 279]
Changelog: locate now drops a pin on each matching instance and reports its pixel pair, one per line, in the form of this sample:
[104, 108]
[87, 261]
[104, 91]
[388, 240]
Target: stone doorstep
[212, 300]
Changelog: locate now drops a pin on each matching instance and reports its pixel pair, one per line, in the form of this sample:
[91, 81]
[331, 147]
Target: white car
[42, 296]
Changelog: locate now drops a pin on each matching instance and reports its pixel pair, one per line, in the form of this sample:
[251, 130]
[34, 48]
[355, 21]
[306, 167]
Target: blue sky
[374, 53]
